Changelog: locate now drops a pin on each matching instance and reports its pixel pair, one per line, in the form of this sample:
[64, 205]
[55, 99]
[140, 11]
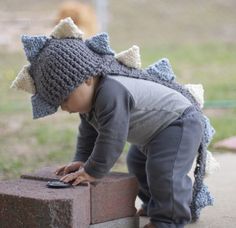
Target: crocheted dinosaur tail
[201, 196]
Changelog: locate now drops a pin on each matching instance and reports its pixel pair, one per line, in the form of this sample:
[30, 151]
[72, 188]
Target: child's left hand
[78, 177]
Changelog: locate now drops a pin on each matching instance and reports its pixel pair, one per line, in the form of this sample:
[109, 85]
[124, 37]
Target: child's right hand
[71, 167]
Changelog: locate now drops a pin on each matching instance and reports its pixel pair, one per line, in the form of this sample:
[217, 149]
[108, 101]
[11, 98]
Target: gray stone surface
[127, 222]
[222, 185]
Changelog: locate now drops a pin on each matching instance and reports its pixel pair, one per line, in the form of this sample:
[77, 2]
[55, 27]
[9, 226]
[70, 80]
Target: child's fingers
[68, 177]
[81, 179]
[70, 168]
[77, 181]
[59, 170]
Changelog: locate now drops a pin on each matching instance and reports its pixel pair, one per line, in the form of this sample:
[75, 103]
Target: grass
[224, 125]
[209, 64]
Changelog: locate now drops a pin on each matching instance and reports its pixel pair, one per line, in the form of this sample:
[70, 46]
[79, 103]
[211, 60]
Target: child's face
[80, 99]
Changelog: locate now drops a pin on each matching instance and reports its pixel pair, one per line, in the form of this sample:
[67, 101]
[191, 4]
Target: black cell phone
[58, 184]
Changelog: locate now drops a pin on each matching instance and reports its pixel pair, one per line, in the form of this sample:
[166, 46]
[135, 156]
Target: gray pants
[161, 167]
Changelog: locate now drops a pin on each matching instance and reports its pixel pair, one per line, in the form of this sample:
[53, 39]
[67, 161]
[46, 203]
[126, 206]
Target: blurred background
[198, 37]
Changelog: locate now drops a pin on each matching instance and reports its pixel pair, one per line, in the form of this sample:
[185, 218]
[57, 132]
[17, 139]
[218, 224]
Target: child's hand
[78, 177]
[71, 167]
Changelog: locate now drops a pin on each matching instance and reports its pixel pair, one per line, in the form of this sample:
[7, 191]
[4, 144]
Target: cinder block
[112, 197]
[29, 203]
[43, 174]
[127, 222]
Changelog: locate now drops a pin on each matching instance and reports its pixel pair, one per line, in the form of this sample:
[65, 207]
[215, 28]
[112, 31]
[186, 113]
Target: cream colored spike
[24, 81]
[66, 28]
[197, 91]
[130, 57]
[212, 164]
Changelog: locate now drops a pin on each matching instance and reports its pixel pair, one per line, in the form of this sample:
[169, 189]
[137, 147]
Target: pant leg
[170, 156]
[136, 161]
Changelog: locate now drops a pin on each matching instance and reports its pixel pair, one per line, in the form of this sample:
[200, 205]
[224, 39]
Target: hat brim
[40, 108]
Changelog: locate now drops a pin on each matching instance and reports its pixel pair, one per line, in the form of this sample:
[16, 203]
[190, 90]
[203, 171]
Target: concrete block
[127, 222]
[43, 174]
[112, 197]
[29, 203]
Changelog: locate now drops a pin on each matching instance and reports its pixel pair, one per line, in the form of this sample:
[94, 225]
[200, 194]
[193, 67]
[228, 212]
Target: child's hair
[61, 62]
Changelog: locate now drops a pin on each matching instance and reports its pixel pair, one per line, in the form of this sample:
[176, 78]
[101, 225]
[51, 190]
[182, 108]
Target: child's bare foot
[150, 225]
[141, 212]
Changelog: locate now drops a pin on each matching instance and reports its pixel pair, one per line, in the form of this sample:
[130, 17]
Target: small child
[117, 101]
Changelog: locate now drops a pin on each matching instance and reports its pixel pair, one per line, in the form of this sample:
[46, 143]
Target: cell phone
[58, 184]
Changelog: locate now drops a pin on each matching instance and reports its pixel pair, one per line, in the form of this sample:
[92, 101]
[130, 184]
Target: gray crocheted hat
[58, 64]
[61, 62]
[60, 67]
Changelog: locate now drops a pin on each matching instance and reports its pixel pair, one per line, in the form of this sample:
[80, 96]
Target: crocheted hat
[58, 64]
[62, 61]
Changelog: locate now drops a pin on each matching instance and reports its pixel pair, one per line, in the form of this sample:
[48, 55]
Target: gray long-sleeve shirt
[124, 109]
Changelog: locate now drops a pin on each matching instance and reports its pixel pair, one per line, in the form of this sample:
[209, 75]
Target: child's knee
[135, 159]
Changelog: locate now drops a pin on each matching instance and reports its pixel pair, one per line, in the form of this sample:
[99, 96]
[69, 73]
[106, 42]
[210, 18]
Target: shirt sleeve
[112, 110]
[86, 138]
